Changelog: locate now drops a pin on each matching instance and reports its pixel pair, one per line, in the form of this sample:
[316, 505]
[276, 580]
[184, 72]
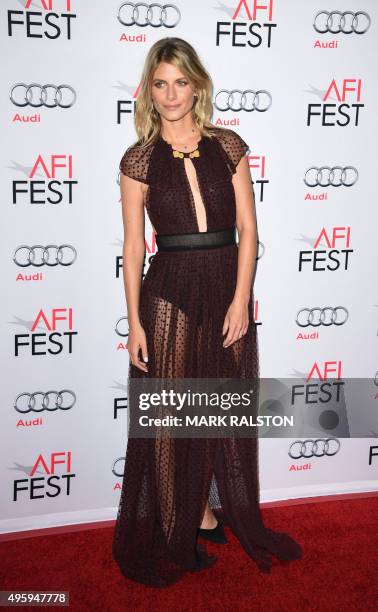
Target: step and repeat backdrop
[297, 80]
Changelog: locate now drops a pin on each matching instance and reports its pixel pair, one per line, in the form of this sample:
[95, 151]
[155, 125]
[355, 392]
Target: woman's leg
[209, 521]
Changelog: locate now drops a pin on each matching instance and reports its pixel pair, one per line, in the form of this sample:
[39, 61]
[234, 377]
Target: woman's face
[172, 94]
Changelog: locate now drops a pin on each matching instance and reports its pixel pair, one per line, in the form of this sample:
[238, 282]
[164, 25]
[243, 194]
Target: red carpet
[339, 570]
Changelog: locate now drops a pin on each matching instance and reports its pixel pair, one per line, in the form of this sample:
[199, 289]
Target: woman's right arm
[132, 194]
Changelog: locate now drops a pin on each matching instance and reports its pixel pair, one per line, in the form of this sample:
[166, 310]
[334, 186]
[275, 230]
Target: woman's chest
[190, 197]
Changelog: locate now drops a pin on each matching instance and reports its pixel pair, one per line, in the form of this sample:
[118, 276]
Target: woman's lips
[172, 107]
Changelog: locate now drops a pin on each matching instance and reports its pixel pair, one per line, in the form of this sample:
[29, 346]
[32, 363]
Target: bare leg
[208, 521]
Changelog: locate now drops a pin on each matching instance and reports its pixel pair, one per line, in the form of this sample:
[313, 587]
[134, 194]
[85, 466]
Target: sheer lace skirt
[167, 481]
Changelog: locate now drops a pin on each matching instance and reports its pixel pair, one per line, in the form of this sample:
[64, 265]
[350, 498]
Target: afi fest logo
[55, 478]
[325, 391]
[249, 24]
[47, 22]
[119, 403]
[373, 454]
[320, 400]
[52, 341]
[150, 246]
[333, 257]
[340, 106]
[258, 166]
[126, 106]
[49, 181]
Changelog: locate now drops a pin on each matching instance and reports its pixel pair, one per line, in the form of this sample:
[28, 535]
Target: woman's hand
[236, 322]
[137, 340]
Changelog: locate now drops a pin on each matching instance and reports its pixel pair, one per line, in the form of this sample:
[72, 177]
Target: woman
[191, 317]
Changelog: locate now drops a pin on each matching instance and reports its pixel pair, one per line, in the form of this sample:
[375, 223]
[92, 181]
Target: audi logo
[142, 15]
[326, 176]
[314, 448]
[57, 399]
[50, 255]
[260, 249]
[336, 22]
[247, 100]
[124, 335]
[322, 316]
[116, 467]
[37, 95]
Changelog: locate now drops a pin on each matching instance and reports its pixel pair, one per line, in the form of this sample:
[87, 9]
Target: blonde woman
[190, 317]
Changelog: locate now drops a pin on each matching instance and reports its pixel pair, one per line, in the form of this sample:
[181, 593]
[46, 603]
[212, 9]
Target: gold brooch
[195, 153]
[180, 154]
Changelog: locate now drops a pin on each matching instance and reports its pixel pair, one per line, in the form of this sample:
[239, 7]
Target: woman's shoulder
[233, 144]
[135, 161]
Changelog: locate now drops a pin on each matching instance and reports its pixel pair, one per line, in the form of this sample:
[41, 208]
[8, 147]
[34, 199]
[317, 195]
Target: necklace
[181, 154]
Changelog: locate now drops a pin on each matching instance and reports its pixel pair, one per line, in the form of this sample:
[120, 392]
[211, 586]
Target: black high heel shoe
[216, 534]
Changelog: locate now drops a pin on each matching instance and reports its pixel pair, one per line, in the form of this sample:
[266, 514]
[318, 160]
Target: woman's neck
[179, 132]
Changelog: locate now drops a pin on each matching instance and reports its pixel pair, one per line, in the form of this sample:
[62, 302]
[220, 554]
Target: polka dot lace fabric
[184, 299]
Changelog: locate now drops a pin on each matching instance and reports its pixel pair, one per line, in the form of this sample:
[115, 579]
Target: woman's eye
[160, 84]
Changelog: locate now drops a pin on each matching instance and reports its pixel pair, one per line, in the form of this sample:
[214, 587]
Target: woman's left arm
[237, 320]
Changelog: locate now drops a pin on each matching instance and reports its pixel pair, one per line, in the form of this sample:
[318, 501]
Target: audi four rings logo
[50, 255]
[247, 100]
[314, 448]
[37, 95]
[327, 176]
[322, 316]
[154, 15]
[117, 467]
[345, 22]
[49, 400]
[124, 335]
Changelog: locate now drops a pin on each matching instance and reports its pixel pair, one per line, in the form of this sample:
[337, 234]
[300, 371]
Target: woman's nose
[171, 93]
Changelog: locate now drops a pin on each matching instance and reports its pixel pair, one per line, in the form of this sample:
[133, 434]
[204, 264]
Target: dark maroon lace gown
[184, 299]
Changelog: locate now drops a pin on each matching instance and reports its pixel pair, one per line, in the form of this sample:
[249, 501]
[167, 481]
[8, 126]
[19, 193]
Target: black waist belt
[199, 240]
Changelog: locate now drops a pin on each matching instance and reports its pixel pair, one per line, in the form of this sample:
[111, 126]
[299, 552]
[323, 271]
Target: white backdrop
[59, 321]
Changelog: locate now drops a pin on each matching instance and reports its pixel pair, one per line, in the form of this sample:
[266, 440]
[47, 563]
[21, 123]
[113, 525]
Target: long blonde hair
[180, 53]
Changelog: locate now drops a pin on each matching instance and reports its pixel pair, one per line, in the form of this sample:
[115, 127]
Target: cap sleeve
[135, 163]
[234, 146]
